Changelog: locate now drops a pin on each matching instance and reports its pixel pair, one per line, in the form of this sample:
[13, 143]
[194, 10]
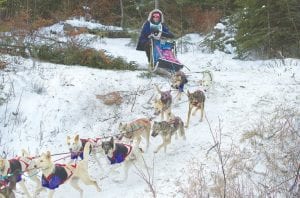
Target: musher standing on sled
[153, 27]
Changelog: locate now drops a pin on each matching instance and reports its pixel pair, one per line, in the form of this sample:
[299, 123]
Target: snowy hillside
[47, 102]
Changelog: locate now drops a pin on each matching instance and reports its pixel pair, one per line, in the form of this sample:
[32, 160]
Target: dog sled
[163, 57]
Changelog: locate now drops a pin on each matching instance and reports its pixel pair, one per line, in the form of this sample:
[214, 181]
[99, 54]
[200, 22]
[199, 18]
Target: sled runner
[163, 56]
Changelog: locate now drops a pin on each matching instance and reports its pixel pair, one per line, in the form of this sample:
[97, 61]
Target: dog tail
[87, 150]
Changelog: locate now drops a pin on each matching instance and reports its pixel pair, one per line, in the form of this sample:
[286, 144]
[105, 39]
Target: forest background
[266, 29]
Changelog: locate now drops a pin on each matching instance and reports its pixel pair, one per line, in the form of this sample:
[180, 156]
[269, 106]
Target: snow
[220, 26]
[52, 101]
[81, 22]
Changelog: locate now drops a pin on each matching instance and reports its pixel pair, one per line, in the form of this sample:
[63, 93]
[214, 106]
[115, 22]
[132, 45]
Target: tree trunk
[156, 4]
[122, 14]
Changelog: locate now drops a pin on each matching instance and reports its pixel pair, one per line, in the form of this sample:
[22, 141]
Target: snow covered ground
[47, 102]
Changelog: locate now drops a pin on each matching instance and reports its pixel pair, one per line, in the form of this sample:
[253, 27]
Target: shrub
[146, 75]
[75, 55]
[50, 54]
[110, 33]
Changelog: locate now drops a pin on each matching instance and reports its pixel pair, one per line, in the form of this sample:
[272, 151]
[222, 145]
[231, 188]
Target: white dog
[76, 146]
[54, 175]
[207, 80]
[21, 164]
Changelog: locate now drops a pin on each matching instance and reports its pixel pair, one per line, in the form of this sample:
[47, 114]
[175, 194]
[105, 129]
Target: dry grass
[264, 164]
[111, 98]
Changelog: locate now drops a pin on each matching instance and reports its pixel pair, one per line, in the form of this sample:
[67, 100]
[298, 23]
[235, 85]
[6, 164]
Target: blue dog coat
[120, 153]
[15, 166]
[58, 177]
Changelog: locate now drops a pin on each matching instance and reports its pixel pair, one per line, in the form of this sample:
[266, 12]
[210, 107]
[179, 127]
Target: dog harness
[58, 177]
[120, 153]
[198, 95]
[15, 166]
[183, 80]
[75, 155]
[175, 122]
[181, 86]
[25, 163]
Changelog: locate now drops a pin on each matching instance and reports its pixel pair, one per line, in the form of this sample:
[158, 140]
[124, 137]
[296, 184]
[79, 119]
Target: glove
[155, 36]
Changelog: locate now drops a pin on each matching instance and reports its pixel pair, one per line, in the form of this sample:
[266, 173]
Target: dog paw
[99, 189]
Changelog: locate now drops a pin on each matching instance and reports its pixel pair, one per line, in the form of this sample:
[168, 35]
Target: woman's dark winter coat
[146, 31]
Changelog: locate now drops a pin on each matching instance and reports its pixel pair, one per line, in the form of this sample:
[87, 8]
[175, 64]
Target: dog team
[116, 151]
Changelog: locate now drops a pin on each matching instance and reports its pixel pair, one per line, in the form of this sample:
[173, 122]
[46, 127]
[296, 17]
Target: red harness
[65, 166]
[25, 163]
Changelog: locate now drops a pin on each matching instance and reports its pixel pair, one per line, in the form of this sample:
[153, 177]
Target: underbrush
[264, 164]
[76, 55]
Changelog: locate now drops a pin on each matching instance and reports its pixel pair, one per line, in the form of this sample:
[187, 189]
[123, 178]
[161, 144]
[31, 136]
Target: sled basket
[163, 56]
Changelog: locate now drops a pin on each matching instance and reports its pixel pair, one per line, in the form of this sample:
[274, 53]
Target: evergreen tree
[269, 28]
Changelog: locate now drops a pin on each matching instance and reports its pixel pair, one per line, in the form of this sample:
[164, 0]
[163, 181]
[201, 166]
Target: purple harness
[58, 177]
[184, 81]
[180, 88]
[175, 122]
[75, 155]
[120, 153]
[15, 166]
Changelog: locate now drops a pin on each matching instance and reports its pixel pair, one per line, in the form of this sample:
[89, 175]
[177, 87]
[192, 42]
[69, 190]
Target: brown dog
[178, 80]
[167, 129]
[136, 130]
[163, 104]
[196, 100]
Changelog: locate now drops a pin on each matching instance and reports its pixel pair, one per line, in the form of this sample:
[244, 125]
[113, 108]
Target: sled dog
[76, 146]
[54, 175]
[196, 100]
[20, 165]
[162, 109]
[8, 185]
[178, 80]
[163, 104]
[207, 80]
[167, 129]
[119, 154]
[136, 130]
